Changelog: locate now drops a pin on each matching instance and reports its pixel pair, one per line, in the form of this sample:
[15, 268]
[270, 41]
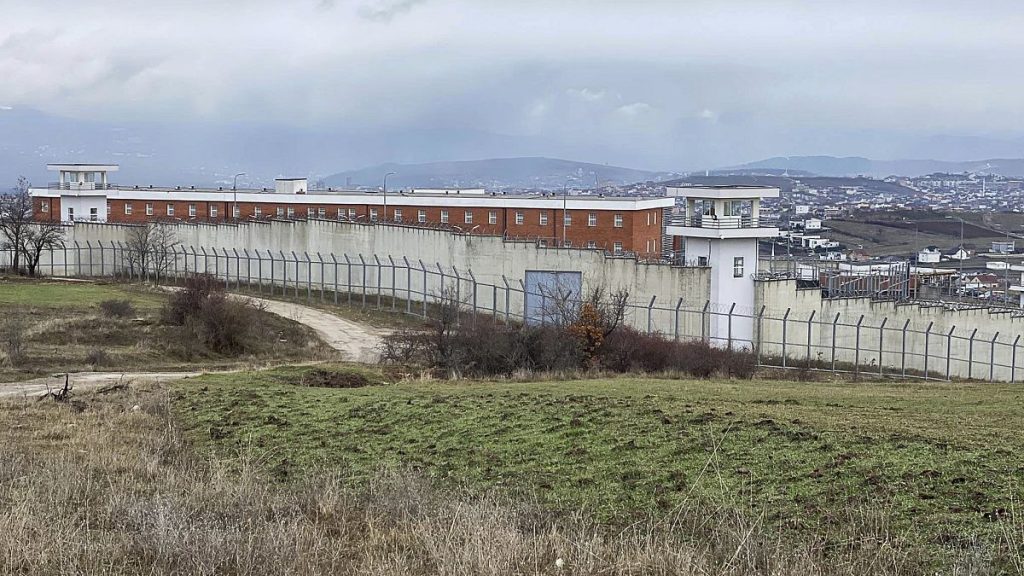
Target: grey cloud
[385, 10]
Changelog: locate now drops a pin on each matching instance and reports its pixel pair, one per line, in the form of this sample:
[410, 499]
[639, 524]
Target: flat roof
[730, 192]
[86, 166]
[345, 197]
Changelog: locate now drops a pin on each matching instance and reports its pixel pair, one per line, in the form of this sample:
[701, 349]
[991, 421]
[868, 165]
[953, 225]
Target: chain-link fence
[779, 339]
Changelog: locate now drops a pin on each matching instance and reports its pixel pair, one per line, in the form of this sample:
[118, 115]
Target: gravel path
[356, 342]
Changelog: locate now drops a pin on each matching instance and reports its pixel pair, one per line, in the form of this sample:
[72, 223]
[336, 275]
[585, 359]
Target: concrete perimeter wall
[489, 258]
[966, 343]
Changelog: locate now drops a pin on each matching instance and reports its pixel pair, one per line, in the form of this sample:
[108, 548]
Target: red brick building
[615, 224]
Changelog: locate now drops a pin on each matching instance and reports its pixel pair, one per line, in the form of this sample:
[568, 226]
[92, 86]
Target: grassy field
[64, 330]
[934, 466]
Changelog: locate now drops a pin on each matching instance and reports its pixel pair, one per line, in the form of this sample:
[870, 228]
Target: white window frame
[444, 216]
[351, 213]
[520, 218]
[71, 213]
[737, 267]
[213, 211]
[468, 217]
[94, 214]
[44, 206]
[280, 211]
[592, 219]
[149, 208]
[591, 244]
[617, 248]
[567, 219]
[257, 211]
[492, 217]
[373, 214]
[236, 210]
[543, 218]
[290, 211]
[398, 214]
[191, 210]
[170, 209]
[617, 222]
[127, 208]
[110, 209]
[421, 216]
[321, 212]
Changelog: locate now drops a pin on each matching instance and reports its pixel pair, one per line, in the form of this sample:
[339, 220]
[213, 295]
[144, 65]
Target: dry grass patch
[108, 486]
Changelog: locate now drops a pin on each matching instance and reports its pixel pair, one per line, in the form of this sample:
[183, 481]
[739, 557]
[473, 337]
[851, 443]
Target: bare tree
[38, 238]
[150, 249]
[15, 220]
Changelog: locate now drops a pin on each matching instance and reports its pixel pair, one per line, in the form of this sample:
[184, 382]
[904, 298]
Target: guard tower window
[737, 267]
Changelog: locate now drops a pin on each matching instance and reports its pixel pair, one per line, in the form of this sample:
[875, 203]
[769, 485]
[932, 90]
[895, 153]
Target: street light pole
[565, 201]
[385, 216]
[234, 195]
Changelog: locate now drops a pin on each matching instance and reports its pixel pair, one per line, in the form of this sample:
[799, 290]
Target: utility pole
[384, 216]
[234, 195]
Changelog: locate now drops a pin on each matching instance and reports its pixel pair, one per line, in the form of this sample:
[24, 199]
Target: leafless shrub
[13, 332]
[150, 250]
[117, 308]
[208, 316]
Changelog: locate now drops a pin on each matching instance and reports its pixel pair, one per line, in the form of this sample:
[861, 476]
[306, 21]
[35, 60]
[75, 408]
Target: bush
[13, 331]
[209, 317]
[117, 309]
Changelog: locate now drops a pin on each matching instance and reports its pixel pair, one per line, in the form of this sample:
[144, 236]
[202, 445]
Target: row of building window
[421, 216]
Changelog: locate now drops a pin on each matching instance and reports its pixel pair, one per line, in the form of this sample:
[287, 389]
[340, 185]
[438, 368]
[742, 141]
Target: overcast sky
[654, 84]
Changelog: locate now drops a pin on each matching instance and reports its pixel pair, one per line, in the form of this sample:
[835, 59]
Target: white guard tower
[720, 229]
[83, 190]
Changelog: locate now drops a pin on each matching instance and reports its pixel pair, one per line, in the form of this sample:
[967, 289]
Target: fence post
[362, 266]
[835, 321]
[309, 275]
[322, 274]
[472, 280]
[949, 349]
[334, 261]
[810, 330]
[88, 246]
[376, 262]
[238, 270]
[424, 294]
[408, 286]
[394, 280]
[679, 305]
[731, 308]
[927, 334]
[903, 349]
[881, 349]
[270, 255]
[785, 334]
[992, 359]
[523, 287]
[970, 355]
[227, 270]
[458, 291]
[348, 287]
[760, 324]
[650, 311]
[856, 345]
[704, 322]
[102, 267]
[508, 299]
[1013, 360]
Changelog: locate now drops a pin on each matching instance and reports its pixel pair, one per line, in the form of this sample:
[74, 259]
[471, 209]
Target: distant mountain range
[858, 166]
[495, 173]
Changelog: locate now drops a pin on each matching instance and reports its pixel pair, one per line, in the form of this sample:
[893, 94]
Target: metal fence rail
[780, 339]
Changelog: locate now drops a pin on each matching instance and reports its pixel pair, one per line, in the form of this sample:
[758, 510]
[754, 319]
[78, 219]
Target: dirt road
[356, 343]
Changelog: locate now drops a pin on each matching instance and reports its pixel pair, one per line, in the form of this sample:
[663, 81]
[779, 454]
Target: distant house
[812, 224]
[930, 255]
[958, 253]
[1003, 246]
[801, 209]
[983, 281]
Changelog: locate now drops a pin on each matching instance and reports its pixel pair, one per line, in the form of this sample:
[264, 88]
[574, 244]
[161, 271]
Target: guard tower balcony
[82, 177]
[722, 212]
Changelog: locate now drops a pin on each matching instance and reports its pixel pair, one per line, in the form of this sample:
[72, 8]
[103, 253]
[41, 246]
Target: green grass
[47, 294]
[939, 462]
